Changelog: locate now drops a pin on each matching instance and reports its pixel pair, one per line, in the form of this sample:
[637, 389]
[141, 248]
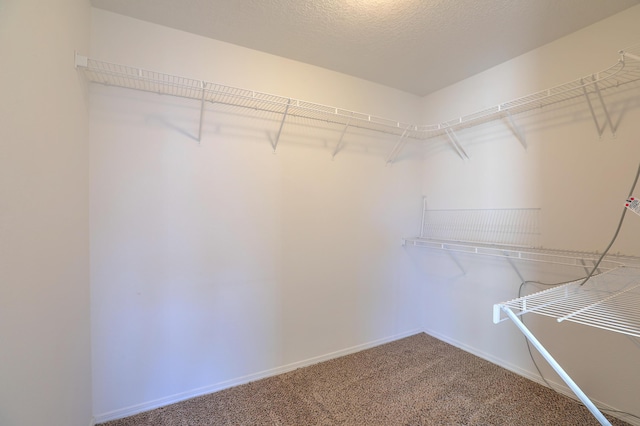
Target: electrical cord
[615, 235]
[535, 364]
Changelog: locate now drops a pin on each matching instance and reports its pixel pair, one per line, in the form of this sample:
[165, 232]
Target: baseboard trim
[172, 399]
[561, 388]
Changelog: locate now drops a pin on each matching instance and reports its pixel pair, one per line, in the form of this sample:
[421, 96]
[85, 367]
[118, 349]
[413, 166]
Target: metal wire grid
[503, 226]
[578, 259]
[151, 81]
[610, 301]
[139, 79]
[625, 71]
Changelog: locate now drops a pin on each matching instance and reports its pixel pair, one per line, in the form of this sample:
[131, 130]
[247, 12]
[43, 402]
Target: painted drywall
[45, 374]
[580, 182]
[218, 262]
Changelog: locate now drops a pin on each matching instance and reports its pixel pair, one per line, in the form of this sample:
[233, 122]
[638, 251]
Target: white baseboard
[559, 387]
[172, 399]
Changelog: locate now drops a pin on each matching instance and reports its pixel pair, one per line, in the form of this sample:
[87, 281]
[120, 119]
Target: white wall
[45, 375]
[215, 263]
[579, 181]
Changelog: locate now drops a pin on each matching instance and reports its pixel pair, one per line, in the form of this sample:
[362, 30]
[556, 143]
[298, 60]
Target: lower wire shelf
[585, 260]
[609, 301]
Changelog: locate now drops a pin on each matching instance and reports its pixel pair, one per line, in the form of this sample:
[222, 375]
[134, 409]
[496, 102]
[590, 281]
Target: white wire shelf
[610, 301]
[625, 71]
[579, 259]
[518, 227]
[507, 233]
[166, 84]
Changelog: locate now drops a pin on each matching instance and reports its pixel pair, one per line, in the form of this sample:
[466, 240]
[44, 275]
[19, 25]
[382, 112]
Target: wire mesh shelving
[625, 70]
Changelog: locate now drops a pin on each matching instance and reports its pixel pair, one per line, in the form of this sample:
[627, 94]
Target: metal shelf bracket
[456, 144]
[604, 108]
[552, 362]
[516, 130]
[339, 145]
[284, 117]
[204, 87]
[398, 147]
[600, 129]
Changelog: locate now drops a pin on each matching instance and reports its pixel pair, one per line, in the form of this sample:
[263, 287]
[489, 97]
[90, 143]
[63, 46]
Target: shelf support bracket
[604, 108]
[284, 117]
[593, 113]
[558, 369]
[514, 267]
[339, 145]
[80, 61]
[398, 147]
[516, 130]
[626, 54]
[456, 261]
[204, 86]
[456, 144]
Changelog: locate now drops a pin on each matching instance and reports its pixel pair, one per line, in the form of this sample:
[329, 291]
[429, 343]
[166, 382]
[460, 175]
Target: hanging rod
[625, 70]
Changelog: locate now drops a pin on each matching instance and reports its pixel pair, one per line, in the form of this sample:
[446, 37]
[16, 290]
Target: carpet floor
[418, 380]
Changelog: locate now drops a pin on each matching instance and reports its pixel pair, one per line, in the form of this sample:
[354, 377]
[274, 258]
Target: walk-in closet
[319, 212]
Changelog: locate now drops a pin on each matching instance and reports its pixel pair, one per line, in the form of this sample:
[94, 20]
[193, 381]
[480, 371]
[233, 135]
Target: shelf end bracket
[81, 61]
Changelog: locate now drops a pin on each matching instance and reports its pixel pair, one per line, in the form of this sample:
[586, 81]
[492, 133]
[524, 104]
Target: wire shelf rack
[610, 301]
[625, 70]
[578, 259]
[151, 81]
[507, 233]
[505, 226]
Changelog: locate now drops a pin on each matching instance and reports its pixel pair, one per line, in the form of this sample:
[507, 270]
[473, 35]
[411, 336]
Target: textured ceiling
[418, 46]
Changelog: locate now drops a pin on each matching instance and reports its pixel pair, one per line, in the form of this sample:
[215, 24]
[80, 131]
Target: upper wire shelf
[625, 71]
[151, 81]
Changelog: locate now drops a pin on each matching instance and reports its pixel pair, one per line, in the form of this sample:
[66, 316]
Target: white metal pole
[554, 364]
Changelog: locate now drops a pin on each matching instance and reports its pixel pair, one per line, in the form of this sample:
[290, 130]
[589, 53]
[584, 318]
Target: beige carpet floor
[418, 380]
